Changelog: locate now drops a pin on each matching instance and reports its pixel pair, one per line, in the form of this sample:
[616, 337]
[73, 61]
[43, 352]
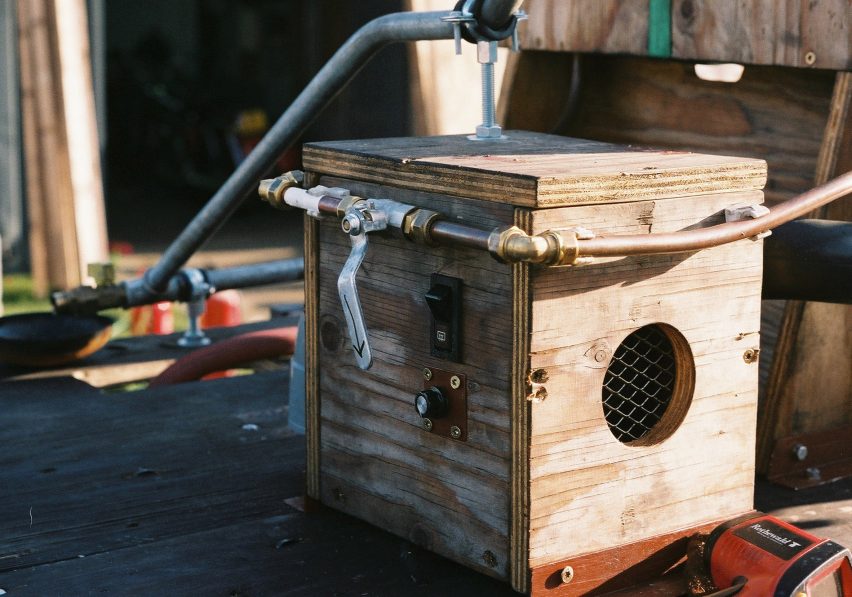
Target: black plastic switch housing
[444, 300]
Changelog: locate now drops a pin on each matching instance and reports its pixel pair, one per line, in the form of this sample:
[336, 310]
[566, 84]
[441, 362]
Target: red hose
[227, 354]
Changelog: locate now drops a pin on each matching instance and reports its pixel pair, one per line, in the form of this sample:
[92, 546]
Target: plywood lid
[533, 169]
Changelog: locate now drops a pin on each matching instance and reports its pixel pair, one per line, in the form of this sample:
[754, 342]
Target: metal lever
[358, 220]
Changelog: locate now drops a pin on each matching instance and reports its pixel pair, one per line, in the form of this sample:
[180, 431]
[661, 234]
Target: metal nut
[455, 382]
[272, 190]
[427, 374]
[417, 225]
[427, 424]
[567, 574]
[800, 451]
[455, 432]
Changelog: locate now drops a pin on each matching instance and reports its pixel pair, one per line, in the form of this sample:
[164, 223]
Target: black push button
[431, 403]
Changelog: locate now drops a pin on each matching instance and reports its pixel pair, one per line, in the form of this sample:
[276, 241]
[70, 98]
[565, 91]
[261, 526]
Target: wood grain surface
[586, 484]
[533, 170]
[798, 33]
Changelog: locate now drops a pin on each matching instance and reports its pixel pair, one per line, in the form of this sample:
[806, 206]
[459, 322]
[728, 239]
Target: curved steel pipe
[328, 82]
[702, 238]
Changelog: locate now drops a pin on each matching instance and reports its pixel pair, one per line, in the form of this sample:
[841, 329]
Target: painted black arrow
[360, 347]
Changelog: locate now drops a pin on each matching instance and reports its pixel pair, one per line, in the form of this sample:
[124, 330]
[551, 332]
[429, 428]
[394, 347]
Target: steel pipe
[328, 82]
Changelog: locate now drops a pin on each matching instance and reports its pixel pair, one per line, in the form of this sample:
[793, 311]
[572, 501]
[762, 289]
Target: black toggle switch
[444, 301]
[431, 403]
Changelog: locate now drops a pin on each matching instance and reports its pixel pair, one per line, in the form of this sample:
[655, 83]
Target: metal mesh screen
[639, 383]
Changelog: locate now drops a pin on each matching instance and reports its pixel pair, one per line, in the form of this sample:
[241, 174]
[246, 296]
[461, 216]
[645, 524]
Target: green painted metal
[660, 28]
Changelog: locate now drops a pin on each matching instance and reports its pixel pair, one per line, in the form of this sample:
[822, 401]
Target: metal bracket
[735, 213]
[454, 386]
[200, 289]
[358, 221]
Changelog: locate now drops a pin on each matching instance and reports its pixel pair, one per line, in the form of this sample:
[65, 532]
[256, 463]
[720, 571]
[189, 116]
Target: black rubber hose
[809, 260]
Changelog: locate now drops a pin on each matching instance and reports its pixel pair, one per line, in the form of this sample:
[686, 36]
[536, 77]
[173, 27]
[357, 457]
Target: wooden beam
[64, 188]
[810, 383]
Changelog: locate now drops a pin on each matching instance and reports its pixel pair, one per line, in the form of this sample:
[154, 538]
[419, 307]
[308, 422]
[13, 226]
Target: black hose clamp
[474, 31]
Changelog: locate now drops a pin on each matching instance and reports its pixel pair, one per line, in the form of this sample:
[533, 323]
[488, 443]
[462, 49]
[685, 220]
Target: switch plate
[444, 300]
[456, 415]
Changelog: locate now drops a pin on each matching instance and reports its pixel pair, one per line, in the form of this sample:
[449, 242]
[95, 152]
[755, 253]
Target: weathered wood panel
[583, 482]
[532, 170]
[376, 460]
[800, 33]
[803, 33]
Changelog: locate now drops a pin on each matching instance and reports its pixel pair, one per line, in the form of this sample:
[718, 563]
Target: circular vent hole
[648, 385]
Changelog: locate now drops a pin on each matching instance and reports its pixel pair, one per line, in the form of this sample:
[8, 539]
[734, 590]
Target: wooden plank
[583, 481]
[810, 383]
[772, 113]
[377, 462]
[531, 170]
[812, 33]
[312, 362]
[799, 33]
[600, 26]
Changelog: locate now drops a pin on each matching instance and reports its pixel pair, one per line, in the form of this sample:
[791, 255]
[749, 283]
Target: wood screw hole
[489, 558]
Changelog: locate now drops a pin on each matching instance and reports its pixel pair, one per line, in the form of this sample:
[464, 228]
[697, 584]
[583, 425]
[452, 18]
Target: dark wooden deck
[165, 492]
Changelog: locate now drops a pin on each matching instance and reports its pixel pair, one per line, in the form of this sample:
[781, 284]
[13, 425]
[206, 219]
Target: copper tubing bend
[712, 236]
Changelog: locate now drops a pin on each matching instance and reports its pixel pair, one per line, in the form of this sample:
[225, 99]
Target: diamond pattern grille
[639, 383]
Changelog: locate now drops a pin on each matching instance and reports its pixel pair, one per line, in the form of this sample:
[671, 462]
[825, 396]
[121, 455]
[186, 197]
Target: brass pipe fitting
[417, 225]
[511, 244]
[272, 190]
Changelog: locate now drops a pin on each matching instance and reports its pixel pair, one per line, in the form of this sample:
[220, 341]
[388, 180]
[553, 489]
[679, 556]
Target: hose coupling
[552, 247]
[272, 190]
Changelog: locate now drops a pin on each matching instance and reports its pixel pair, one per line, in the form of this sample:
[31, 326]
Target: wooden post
[64, 190]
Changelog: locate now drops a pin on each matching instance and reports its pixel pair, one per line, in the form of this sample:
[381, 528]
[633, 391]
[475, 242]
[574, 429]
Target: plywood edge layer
[519, 526]
[580, 180]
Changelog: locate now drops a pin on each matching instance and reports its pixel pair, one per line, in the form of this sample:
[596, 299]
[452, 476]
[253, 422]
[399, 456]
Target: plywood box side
[377, 461]
[586, 484]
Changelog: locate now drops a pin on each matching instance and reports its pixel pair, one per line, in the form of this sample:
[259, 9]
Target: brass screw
[489, 558]
[455, 382]
[810, 58]
[750, 355]
[427, 374]
[455, 432]
[427, 424]
[567, 574]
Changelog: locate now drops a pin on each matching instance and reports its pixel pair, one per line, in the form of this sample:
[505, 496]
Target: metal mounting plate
[456, 416]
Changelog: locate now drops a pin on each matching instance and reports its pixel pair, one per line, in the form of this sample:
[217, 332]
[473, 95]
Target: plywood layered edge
[531, 169]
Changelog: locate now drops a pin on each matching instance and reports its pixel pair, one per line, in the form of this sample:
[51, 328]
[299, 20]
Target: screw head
[455, 432]
[750, 355]
[427, 374]
[800, 451]
[427, 424]
[455, 382]
[810, 58]
[567, 574]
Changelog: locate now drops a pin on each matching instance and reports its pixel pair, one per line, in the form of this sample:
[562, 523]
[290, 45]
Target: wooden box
[539, 480]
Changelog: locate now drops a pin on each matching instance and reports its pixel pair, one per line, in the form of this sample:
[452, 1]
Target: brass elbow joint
[549, 248]
[272, 190]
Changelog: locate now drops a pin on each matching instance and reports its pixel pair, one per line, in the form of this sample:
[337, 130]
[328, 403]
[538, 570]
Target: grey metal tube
[328, 82]
[257, 274]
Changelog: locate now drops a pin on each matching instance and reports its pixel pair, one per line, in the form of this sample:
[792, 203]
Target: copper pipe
[328, 204]
[694, 240]
[443, 232]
